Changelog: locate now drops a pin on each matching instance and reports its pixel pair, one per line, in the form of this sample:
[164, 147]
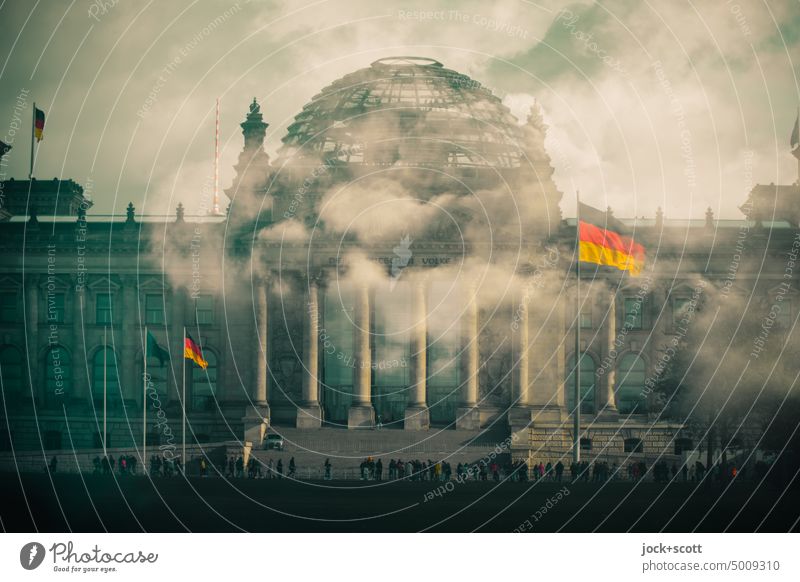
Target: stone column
[257, 412]
[522, 379]
[37, 388]
[80, 381]
[308, 411]
[608, 402]
[361, 413]
[417, 415]
[468, 416]
[519, 414]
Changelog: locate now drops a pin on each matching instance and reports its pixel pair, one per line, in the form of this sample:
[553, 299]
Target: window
[680, 309]
[633, 313]
[11, 371]
[586, 444]
[8, 308]
[158, 375]
[633, 445]
[204, 383]
[55, 307]
[154, 309]
[52, 439]
[204, 309]
[104, 370]
[104, 309]
[57, 375]
[683, 445]
[586, 315]
[97, 440]
[587, 384]
[631, 374]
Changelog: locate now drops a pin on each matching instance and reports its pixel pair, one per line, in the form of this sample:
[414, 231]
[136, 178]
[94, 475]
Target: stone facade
[295, 336]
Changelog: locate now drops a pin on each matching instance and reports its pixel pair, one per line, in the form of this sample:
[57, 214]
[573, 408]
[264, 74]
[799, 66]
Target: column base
[418, 417]
[550, 413]
[256, 421]
[519, 417]
[608, 414]
[468, 418]
[309, 416]
[361, 416]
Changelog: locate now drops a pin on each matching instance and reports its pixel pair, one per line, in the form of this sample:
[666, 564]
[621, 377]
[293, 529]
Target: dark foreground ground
[89, 503]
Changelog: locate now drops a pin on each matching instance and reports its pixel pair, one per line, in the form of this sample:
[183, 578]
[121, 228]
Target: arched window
[630, 385]
[58, 375]
[11, 369]
[587, 384]
[105, 356]
[204, 383]
[158, 375]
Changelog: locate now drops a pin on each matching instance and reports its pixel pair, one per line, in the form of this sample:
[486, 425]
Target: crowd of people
[125, 465]
[418, 470]
[372, 469]
[236, 468]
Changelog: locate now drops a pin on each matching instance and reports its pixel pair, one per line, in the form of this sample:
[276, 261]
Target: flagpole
[183, 402]
[144, 406]
[33, 126]
[576, 413]
[105, 389]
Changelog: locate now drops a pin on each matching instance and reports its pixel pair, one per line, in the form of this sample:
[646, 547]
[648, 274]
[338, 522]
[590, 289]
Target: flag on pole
[192, 351]
[794, 141]
[601, 243]
[155, 350]
[38, 124]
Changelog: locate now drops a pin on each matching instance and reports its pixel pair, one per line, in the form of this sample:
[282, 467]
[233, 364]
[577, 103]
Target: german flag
[192, 351]
[603, 246]
[38, 123]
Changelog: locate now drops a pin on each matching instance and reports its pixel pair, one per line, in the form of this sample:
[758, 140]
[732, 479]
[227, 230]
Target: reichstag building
[401, 264]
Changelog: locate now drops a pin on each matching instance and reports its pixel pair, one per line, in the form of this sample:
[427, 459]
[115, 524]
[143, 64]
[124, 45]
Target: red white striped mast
[215, 205]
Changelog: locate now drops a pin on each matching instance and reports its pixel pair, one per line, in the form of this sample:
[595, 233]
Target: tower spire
[253, 128]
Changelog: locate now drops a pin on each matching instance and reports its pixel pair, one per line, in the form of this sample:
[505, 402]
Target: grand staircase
[346, 449]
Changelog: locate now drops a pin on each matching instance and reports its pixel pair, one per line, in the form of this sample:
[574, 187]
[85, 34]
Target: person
[280, 468]
[240, 467]
[327, 469]
[559, 471]
[379, 470]
[270, 472]
[202, 466]
[548, 470]
[231, 464]
[684, 472]
[132, 464]
[123, 464]
[53, 464]
[292, 467]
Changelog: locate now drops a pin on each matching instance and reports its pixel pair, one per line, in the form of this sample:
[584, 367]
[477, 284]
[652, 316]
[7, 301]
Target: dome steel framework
[405, 111]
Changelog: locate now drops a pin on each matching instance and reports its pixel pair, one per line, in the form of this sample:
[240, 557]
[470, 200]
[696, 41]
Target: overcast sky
[677, 104]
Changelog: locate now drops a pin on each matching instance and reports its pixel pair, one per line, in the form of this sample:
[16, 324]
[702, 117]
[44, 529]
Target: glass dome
[405, 111]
